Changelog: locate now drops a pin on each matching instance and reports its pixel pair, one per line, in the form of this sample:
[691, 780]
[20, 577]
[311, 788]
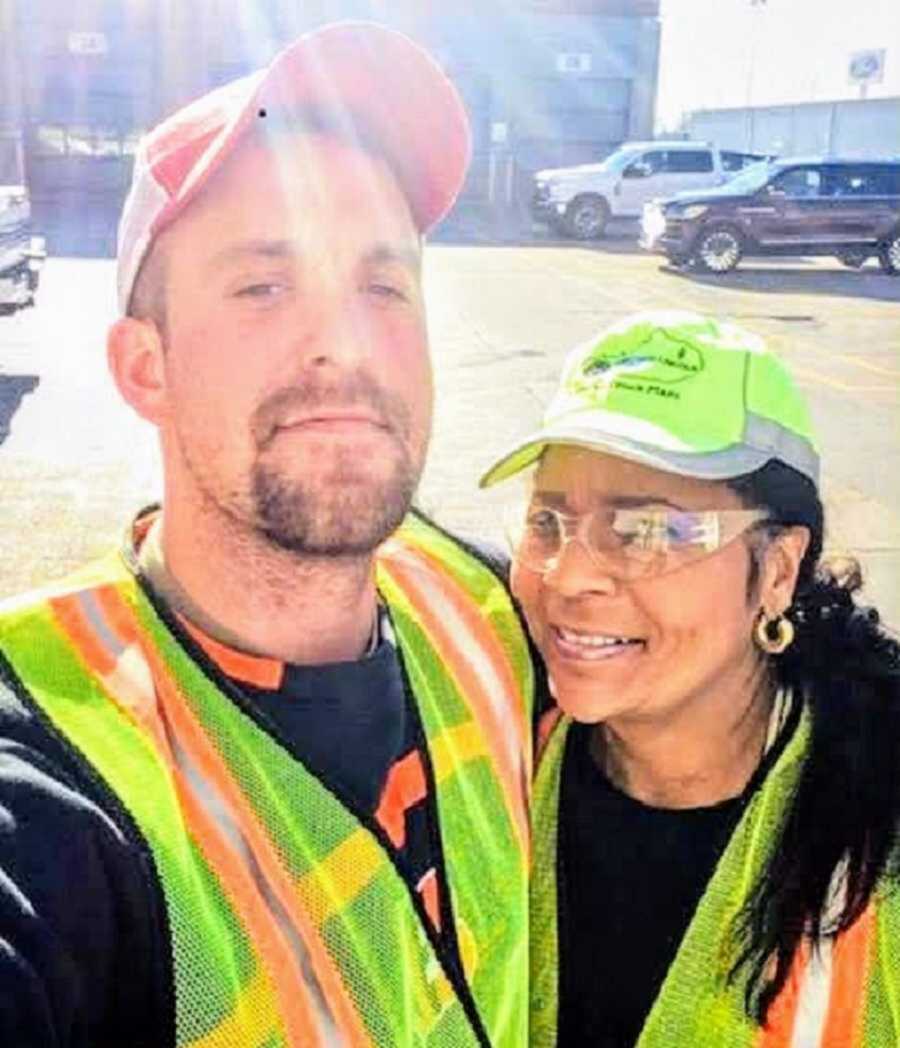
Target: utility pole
[758, 5]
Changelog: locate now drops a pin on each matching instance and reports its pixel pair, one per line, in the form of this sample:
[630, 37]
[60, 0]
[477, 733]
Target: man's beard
[348, 510]
[347, 515]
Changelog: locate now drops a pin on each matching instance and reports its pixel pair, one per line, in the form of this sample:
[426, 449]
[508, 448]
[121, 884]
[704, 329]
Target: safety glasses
[629, 543]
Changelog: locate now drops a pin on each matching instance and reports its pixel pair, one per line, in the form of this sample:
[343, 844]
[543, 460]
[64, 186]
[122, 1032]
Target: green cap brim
[717, 465]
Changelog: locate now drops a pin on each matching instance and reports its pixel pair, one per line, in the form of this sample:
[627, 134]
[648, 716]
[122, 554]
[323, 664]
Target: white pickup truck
[579, 201]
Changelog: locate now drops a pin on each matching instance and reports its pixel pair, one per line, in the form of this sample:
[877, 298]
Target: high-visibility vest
[289, 921]
[845, 993]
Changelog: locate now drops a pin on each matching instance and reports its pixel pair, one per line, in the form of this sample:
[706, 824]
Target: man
[263, 775]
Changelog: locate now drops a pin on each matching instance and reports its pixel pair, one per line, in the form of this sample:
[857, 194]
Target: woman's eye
[542, 522]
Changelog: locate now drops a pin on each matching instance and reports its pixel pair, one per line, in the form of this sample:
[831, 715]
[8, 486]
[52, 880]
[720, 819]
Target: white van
[579, 201]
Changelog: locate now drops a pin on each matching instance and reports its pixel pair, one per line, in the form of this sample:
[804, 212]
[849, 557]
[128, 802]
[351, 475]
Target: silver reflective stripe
[88, 603]
[472, 651]
[813, 998]
[214, 804]
[768, 436]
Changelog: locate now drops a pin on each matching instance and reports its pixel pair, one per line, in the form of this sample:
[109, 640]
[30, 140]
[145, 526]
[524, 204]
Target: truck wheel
[718, 249]
[853, 259]
[586, 217]
[889, 254]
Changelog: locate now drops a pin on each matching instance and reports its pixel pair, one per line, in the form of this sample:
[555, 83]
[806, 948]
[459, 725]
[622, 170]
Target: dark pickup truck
[821, 206]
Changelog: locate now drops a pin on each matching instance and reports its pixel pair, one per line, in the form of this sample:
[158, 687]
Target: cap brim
[372, 81]
[717, 465]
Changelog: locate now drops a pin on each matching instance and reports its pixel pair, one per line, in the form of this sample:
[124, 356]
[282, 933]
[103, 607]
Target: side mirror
[639, 169]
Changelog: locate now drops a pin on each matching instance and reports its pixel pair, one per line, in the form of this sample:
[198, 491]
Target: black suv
[823, 206]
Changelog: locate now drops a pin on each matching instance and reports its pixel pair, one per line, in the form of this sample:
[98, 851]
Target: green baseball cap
[677, 391]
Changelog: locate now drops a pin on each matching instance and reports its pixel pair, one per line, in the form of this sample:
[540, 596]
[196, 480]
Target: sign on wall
[866, 67]
[82, 43]
[573, 62]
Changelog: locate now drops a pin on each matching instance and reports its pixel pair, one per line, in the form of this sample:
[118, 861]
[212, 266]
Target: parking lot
[75, 462]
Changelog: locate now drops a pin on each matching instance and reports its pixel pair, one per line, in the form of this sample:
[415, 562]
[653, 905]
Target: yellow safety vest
[289, 922]
[844, 993]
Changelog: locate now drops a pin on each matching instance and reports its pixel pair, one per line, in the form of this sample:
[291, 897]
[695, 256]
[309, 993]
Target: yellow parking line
[816, 376]
[889, 372]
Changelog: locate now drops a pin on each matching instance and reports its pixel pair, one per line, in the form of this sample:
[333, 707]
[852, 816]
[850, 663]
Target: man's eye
[262, 290]
[389, 291]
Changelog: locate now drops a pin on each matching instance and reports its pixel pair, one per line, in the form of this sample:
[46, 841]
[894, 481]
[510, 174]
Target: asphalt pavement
[75, 462]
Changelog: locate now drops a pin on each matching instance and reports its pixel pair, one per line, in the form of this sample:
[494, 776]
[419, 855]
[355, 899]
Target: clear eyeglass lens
[630, 542]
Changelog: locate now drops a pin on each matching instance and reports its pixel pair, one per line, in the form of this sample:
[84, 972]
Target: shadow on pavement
[12, 389]
[795, 281]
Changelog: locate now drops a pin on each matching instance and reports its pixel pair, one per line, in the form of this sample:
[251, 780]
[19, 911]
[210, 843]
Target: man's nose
[335, 329]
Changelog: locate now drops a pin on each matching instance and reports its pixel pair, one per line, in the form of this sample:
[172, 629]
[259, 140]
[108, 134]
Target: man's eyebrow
[388, 254]
[243, 250]
[379, 254]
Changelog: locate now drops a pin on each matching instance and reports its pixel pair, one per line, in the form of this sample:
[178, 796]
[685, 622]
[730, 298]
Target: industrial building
[868, 127]
[547, 82]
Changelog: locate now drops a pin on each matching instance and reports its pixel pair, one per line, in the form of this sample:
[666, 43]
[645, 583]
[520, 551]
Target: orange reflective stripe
[73, 618]
[405, 787]
[103, 625]
[271, 879]
[483, 675]
[851, 963]
[251, 669]
[779, 1027]
[428, 889]
[81, 620]
[822, 1003]
[231, 871]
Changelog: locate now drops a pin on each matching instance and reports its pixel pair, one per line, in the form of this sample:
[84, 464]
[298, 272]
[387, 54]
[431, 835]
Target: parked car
[579, 201]
[21, 254]
[804, 206]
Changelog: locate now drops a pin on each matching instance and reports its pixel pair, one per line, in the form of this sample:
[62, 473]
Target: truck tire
[718, 249]
[853, 259]
[889, 254]
[586, 217]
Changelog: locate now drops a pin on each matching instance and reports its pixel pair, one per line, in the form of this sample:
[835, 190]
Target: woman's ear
[135, 353]
[781, 566]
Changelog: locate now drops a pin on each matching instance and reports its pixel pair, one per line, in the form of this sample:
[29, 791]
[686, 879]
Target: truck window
[10, 163]
[886, 180]
[655, 160]
[798, 182]
[689, 161]
[851, 182]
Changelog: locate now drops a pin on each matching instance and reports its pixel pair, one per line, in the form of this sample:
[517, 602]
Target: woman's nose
[575, 570]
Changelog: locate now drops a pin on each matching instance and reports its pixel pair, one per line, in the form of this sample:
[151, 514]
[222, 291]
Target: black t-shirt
[630, 879]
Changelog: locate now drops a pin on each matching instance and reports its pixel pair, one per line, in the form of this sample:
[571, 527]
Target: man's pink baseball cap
[372, 79]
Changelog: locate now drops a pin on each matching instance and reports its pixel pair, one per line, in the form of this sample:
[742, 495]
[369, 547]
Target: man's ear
[136, 357]
[781, 566]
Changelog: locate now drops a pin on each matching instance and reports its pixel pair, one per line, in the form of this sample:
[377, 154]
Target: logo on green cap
[658, 356]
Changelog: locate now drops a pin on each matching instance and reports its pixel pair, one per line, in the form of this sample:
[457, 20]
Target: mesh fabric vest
[289, 922]
[844, 994]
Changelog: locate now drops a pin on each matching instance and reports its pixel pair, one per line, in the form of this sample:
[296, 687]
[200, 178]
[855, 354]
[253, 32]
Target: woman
[715, 810]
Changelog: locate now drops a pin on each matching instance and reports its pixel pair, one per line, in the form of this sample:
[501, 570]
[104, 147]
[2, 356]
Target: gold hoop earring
[773, 636]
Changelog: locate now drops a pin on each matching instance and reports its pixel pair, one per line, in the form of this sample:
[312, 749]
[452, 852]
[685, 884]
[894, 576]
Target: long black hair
[846, 808]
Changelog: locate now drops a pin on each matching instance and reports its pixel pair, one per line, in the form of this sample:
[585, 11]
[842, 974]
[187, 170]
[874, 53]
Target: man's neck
[258, 599]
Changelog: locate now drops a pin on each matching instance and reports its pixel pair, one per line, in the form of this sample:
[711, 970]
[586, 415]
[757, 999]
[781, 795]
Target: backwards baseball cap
[679, 392]
[371, 80]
